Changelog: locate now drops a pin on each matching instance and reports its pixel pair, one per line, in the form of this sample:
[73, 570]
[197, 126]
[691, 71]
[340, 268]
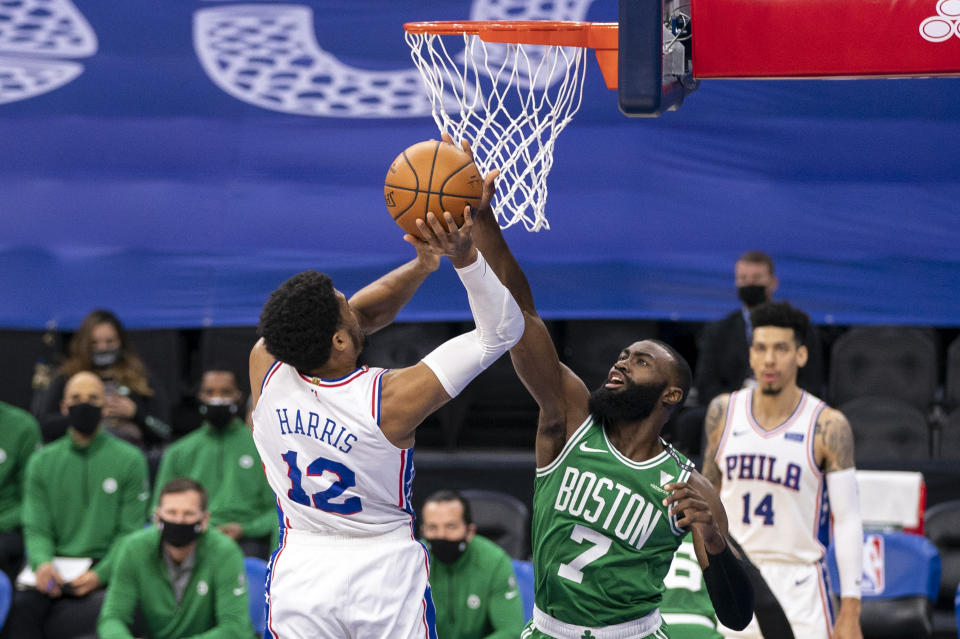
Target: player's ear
[802, 355]
[672, 395]
[340, 340]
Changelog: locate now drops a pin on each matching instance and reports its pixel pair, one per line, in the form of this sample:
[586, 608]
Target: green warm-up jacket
[215, 604]
[79, 501]
[476, 597]
[227, 464]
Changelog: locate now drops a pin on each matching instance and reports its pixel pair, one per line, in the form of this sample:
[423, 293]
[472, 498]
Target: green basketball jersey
[686, 604]
[602, 538]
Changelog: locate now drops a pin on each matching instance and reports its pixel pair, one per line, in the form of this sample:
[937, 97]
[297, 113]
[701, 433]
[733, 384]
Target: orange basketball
[431, 176]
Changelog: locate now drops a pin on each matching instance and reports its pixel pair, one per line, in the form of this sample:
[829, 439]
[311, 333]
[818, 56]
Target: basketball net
[510, 101]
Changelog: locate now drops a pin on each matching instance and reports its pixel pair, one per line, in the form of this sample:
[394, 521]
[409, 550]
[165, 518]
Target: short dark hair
[182, 485]
[681, 370]
[782, 315]
[299, 319]
[452, 495]
[757, 257]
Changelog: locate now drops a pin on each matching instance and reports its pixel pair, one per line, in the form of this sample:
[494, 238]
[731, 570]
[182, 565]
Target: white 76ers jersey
[326, 458]
[773, 492]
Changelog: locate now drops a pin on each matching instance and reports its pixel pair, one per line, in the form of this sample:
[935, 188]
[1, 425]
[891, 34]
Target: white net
[510, 101]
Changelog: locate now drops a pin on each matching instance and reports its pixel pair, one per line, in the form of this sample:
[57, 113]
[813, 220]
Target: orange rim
[592, 35]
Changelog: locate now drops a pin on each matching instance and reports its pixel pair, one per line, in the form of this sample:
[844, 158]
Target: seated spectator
[183, 579]
[221, 455]
[135, 407]
[19, 439]
[722, 360]
[82, 493]
[471, 578]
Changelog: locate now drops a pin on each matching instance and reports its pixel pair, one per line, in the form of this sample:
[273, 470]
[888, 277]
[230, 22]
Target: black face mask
[219, 415]
[633, 403]
[179, 535]
[446, 550]
[752, 295]
[85, 417]
[105, 359]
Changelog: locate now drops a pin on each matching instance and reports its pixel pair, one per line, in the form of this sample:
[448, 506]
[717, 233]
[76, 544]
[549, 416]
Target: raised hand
[688, 501]
[450, 240]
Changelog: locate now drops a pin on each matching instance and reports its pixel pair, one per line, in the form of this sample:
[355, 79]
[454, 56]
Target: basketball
[431, 176]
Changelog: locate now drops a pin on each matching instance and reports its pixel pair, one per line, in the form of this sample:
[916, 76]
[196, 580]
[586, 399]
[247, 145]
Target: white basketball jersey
[772, 490]
[326, 458]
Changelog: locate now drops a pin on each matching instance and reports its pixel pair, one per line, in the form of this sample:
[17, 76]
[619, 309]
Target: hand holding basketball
[445, 238]
[431, 176]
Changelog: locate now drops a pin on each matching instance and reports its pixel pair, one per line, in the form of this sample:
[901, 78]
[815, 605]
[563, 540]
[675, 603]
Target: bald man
[83, 492]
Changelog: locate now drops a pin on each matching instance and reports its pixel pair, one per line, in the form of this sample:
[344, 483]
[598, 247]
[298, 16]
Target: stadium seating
[951, 394]
[524, 572]
[887, 429]
[6, 595]
[162, 352]
[943, 529]
[900, 577]
[501, 518]
[956, 606]
[887, 361]
[256, 585]
[229, 348]
[948, 446]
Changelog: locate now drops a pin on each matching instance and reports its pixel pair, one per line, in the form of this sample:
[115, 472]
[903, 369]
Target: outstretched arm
[378, 303]
[410, 394]
[561, 395]
[833, 449]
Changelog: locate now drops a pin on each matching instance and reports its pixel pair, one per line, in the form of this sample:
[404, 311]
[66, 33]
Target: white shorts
[348, 587]
[802, 591]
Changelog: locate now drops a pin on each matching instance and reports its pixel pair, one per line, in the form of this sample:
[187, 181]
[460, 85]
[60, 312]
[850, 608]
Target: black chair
[942, 527]
[22, 352]
[948, 446]
[887, 429]
[502, 518]
[590, 347]
[951, 387]
[888, 361]
[228, 348]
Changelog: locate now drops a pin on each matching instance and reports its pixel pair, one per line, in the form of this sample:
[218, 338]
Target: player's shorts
[543, 626]
[802, 591]
[349, 587]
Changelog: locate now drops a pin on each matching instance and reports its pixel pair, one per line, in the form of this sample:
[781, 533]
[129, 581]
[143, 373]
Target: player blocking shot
[336, 439]
[612, 500]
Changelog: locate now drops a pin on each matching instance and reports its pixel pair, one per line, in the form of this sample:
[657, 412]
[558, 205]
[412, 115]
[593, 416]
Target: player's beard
[633, 403]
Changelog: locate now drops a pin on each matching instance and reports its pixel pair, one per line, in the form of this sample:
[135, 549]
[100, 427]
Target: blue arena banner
[176, 160]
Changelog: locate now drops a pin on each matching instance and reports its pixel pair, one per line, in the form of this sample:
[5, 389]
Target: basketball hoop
[510, 93]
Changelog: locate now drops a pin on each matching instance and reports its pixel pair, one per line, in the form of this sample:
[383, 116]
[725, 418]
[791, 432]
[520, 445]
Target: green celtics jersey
[686, 605]
[602, 538]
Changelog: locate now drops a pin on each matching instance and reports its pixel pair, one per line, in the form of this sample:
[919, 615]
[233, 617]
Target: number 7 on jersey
[601, 544]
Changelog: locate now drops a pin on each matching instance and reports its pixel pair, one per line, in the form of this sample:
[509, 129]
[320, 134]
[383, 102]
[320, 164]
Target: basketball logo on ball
[431, 176]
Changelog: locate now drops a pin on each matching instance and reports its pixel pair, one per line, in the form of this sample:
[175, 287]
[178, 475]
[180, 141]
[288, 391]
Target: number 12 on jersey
[763, 510]
[322, 500]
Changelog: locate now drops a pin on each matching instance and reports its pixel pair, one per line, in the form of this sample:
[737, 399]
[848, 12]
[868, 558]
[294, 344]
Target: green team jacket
[77, 502]
[228, 466]
[215, 604]
[476, 596]
[19, 439]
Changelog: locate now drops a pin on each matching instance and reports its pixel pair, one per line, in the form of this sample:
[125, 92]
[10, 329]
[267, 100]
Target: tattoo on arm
[713, 426]
[835, 438]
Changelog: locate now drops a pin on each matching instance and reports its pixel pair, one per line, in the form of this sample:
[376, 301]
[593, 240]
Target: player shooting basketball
[612, 501]
[336, 440]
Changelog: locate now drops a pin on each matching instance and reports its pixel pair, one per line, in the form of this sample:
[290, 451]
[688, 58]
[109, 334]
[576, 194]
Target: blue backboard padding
[144, 187]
